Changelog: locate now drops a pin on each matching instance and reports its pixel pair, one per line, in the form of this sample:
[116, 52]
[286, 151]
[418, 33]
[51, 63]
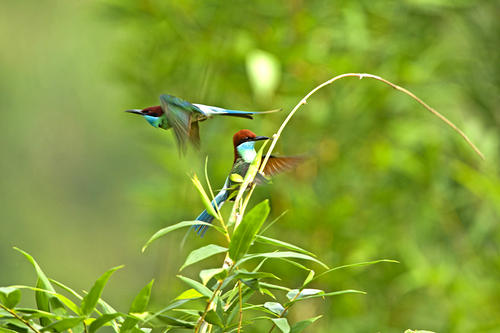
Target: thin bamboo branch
[361, 76]
[18, 317]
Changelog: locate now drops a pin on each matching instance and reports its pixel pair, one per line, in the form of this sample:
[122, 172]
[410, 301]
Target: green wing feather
[180, 114]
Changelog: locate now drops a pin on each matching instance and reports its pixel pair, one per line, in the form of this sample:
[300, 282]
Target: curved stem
[361, 76]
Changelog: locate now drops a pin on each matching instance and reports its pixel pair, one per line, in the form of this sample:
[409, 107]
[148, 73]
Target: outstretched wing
[179, 114]
[280, 164]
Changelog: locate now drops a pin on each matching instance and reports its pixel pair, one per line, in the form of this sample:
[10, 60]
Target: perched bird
[183, 117]
[244, 154]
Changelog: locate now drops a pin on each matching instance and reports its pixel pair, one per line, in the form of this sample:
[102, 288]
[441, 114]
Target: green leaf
[207, 274]
[42, 299]
[323, 294]
[171, 321]
[292, 294]
[189, 294]
[142, 299]
[62, 299]
[282, 324]
[202, 253]
[45, 283]
[90, 300]
[275, 307]
[173, 305]
[10, 296]
[102, 320]
[365, 263]
[296, 264]
[6, 330]
[279, 255]
[197, 286]
[240, 274]
[276, 242]
[35, 313]
[270, 224]
[245, 232]
[213, 318]
[66, 288]
[274, 286]
[204, 197]
[309, 278]
[63, 324]
[139, 304]
[176, 226]
[301, 325]
[234, 177]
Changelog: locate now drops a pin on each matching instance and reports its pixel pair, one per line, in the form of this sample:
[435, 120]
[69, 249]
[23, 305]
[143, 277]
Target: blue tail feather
[206, 217]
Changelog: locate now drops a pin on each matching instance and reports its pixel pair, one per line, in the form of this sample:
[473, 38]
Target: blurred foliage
[84, 184]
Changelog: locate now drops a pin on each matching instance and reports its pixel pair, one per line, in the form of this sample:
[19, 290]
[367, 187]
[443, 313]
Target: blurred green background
[83, 185]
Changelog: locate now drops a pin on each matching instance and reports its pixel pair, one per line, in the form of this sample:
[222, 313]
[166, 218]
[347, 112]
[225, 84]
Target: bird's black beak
[136, 111]
[258, 138]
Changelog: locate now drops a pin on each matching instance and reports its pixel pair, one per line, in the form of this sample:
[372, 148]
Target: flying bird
[244, 153]
[183, 117]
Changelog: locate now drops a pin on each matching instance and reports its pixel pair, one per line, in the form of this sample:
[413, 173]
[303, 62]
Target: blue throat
[153, 121]
[247, 151]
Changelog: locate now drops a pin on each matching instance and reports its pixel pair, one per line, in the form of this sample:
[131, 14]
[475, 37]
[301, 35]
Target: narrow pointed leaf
[282, 324]
[366, 263]
[142, 299]
[279, 255]
[173, 305]
[102, 320]
[197, 286]
[301, 325]
[333, 293]
[139, 305]
[35, 313]
[254, 275]
[41, 298]
[90, 300]
[66, 288]
[63, 324]
[245, 232]
[171, 321]
[309, 278]
[166, 230]
[189, 294]
[276, 242]
[204, 197]
[274, 286]
[44, 281]
[202, 253]
[63, 299]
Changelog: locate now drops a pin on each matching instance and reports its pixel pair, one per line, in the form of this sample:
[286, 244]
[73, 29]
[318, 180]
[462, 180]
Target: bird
[244, 153]
[183, 117]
